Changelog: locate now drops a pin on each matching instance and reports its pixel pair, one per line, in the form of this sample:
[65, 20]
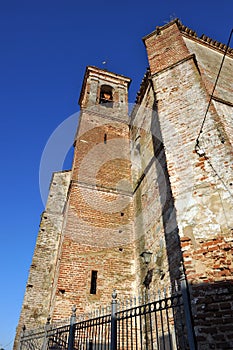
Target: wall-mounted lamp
[146, 257]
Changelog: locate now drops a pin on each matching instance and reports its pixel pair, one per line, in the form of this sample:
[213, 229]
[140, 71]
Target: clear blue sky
[44, 49]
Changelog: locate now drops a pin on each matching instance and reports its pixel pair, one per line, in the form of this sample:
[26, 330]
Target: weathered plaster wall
[201, 185]
[150, 194]
[225, 113]
[37, 299]
[209, 61]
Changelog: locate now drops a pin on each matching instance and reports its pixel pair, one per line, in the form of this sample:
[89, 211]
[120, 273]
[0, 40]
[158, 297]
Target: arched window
[106, 96]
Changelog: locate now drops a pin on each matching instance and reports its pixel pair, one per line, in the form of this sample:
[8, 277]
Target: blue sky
[44, 49]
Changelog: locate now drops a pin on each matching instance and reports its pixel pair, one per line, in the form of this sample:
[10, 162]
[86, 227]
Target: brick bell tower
[96, 252]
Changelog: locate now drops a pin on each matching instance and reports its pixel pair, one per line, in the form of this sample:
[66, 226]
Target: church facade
[157, 180]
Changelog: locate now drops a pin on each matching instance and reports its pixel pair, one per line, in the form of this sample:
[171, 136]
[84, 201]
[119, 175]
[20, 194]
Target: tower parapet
[105, 92]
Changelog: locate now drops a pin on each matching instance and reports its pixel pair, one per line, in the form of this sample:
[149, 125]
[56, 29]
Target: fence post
[72, 328]
[46, 328]
[114, 321]
[187, 310]
[90, 345]
[21, 337]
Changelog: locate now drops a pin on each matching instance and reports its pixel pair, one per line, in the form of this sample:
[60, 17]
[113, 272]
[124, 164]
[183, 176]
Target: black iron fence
[151, 323]
[155, 325]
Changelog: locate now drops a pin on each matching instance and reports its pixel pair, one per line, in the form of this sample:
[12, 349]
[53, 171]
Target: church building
[155, 182]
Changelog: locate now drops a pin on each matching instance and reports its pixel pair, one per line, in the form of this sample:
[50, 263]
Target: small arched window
[106, 96]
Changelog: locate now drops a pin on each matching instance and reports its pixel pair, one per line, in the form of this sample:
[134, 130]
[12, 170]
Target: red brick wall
[209, 271]
[165, 47]
[201, 187]
[98, 230]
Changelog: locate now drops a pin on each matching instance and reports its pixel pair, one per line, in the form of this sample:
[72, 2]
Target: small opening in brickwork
[138, 148]
[105, 138]
[162, 275]
[121, 249]
[93, 282]
[62, 291]
[29, 285]
[122, 214]
[120, 231]
[106, 96]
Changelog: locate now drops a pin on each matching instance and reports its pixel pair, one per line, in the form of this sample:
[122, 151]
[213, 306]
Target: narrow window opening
[106, 96]
[138, 148]
[105, 138]
[93, 282]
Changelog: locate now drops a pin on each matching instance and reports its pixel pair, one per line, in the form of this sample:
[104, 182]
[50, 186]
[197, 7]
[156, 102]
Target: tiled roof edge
[203, 38]
[143, 86]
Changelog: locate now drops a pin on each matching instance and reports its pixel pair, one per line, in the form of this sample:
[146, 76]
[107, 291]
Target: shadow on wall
[170, 226]
[211, 304]
[212, 309]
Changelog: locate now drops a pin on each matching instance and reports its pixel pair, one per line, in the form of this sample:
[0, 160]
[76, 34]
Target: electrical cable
[5, 346]
[216, 81]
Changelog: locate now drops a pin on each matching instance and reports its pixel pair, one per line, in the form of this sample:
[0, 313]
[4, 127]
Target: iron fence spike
[159, 294]
[170, 289]
[74, 309]
[176, 286]
[56, 331]
[114, 294]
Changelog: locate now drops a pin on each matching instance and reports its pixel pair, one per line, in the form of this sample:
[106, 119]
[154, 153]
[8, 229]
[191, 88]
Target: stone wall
[37, 299]
[199, 162]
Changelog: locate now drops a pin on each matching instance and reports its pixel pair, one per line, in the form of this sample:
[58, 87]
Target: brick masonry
[182, 78]
[154, 183]
[98, 233]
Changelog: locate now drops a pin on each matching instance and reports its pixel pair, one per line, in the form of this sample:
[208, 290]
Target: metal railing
[160, 322]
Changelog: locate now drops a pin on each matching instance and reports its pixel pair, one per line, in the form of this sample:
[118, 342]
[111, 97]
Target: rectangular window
[93, 282]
